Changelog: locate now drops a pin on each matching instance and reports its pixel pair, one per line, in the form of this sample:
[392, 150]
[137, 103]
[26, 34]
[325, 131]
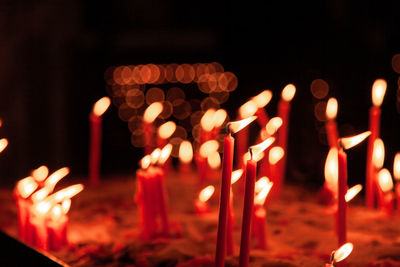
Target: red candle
[275, 156]
[270, 130]
[57, 226]
[149, 116]
[38, 222]
[385, 187]
[378, 92]
[261, 100]
[161, 195]
[378, 158]
[95, 139]
[396, 175]
[201, 203]
[330, 125]
[185, 156]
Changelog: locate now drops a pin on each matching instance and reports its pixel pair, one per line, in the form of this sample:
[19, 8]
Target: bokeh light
[154, 94]
[134, 98]
[396, 63]
[319, 111]
[319, 88]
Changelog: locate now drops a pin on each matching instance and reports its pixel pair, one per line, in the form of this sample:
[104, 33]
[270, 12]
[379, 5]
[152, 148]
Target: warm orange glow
[352, 192]
[236, 126]
[385, 180]
[42, 207]
[349, 142]
[331, 108]
[206, 193]
[167, 129]
[155, 155]
[214, 160]
[331, 169]
[66, 193]
[152, 112]
[275, 154]
[165, 153]
[56, 212]
[259, 199]
[66, 205]
[343, 252]
[378, 154]
[145, 162]
[26, 187]
[40, 173]
[185, 152]
[257, 158]
[220, 117]
[259, 148]
[396, 167]
[263, 98]
[101, 106]
[3, 144]
[40, 194]
[55, 177]
[207, 122]
[236, 175]
[288, 92]
[273, 125]
[208, 147]
[261, 183]
[378, 92]
[248, 109]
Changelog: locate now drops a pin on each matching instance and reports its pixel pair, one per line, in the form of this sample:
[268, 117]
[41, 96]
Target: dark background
[53, 55]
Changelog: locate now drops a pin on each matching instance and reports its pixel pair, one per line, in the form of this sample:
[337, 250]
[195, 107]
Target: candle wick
[332, 258]
[228, 128]
[340, 143]
[251, 153]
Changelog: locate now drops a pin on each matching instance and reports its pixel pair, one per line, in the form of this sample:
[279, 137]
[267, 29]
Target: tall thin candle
[330, 125]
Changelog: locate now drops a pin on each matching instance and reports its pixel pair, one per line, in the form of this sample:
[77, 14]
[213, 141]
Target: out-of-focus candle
[149, 116]
[378, 158]
[3, 144]
[276, 153]
[57, 225]
[261, 100]
[201, 204]
[185, 156]
[330, 125]
[340, 254]
[207, 123]
[329, 191]
[385, 187]
[396, 175]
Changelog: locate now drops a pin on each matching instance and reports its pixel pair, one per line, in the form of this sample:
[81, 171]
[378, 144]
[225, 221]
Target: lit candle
[227, 164]
[150, 114]
[378, 92]
[251, 171]
[396, 175]
[207, 123]
[270, 130]
[201, 203]
[378, 158]
[3, 144]
[330, 190]
[260, 215]
[340, 254]
[185, 156]
[385, 187]
[38, 222]
[219, 119]
[330, 125]
[206, 149]
[261, 100]
[95, 139]
[276, 154]
[165, 131]
[162, 191]
[57, 225]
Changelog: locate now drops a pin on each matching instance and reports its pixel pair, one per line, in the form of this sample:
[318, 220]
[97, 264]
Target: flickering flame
[208, 147]
[165, 153]
[349, 142]
[67, 193]
[385, 180]
[220, 117]
[56, 212]
[167, 129]
[206, 193]
[3, 144]
[259, 148]
[185, 152]
[248, 109]
[259, 199]
[263, 98]
[260, 184]
[352, 192]
[145, 162]
[155, 155]
[55, 177]
[343, 252]
[40, 173]
[26, 187]
[288, 92]
[331, 169]
[152, 112]
[66, 205]
[236, 126]
[101, 106]
[396, 167]
[273, 125]
[214, 160]
[331, 108]
[378, 92]
[256, 158]
[207, 122]
[236, 175]
[40, 194]
[275, 154]
[42, 207]
[378, 154]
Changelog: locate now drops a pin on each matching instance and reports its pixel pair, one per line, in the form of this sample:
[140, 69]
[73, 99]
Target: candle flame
[349, 142]
[263, 98]
[288, 92]
[331, 169]
[42, 207]
[167, 129]
[275, 154]
[3, 144]
[352, 192]
[152, 112]
[40, 194]
[165, 153]
[220, 117]
[26, 187]
[248, 109]
[40, 173]
[66, 205]
[208, 147]
[185, 152]
[259, 199]
[385, 180]
[236, 176]
[261, 183]
[214, 160]
[396, 167]
[343, 252]
[56, 212]
[378, 92]
[101, 106]
[207, 122]
[236, 126]
[145, 162]
[259, 148]
[206, 193]
[66, 193]
[155, 155]
[273, 125]
[257, 158]
[378, 154]
[55, 177]
[331, 108]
